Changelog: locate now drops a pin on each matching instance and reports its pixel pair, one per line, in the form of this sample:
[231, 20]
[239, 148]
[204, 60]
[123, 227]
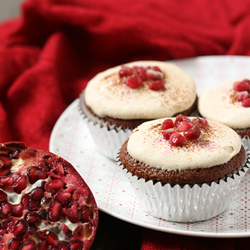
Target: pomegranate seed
[36, 194]
[69, 235]
[200, 122]
[74, 215]
[14, 244]
[157, 85]
[43, 245]
[140, 72]
[3, 196]
[5, 161]
[241, 86]
[17, 210]
[125, 71]
[184, 126]
[246, 80]
[20, 184]
[155, 68]
[75, 245]
[29, 245]
[36, 174]
[63, 246]
[64, 228]
[154, 75]
[46, 201]
[63, 197]
[192, 134]
[78, 232]
[14, 154]
[5, 210]
[52, 239]
[28, 153]
[246, 103]
[4, 181]
[4, 171]
[54, 186]
[43, 214]
[25, 201]
[87, 215]
[134, 82]
[166, 134]
[76, 195]
[32, 217]
[32, 229]
[33, 205]
[55, 211]
[240, 96]
[2, 230]
[42, 170]
[59, 169]
[168, 123]
[176, 139]
[20, 228]
[181, 118]
[43, 234]
[48, 161]
[205, 122]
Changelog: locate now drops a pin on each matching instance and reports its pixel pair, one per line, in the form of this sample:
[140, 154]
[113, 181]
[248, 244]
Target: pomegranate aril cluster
[183, 129]
[135, 76]
[43, 205]
[242, 89]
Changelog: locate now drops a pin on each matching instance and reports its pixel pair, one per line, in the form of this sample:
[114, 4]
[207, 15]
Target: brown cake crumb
[243, 132]
[182, 177]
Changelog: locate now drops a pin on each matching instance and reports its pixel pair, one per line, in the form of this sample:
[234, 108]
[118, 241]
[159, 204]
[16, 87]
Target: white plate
[70, 139]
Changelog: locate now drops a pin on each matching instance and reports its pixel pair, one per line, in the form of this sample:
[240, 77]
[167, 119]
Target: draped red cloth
[48, 55]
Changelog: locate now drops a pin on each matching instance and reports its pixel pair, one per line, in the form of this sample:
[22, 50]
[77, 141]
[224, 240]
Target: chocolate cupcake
[228, 103]
[184, 169]
[119, 99]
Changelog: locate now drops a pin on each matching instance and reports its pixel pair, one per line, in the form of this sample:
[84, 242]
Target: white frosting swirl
[216, 145]
[107, 95]
[216, 104]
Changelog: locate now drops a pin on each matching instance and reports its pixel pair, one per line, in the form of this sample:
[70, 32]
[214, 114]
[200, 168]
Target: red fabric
[48, 55]
[154, 240]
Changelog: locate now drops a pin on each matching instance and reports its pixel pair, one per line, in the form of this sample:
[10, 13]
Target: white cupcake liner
[246, 142]
[187, 203]
[107, 138]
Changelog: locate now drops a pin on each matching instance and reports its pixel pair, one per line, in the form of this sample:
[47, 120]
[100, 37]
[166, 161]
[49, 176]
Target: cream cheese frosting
[216, 104]
[107, 95]
[216, 145]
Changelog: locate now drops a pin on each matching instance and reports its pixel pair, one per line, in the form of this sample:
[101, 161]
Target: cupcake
[119, 99]
[185, 168]
[228, 103]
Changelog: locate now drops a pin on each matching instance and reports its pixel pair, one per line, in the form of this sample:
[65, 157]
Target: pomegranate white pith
[44, 202]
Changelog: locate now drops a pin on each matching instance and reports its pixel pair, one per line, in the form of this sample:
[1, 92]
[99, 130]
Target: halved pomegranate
[44, 202]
